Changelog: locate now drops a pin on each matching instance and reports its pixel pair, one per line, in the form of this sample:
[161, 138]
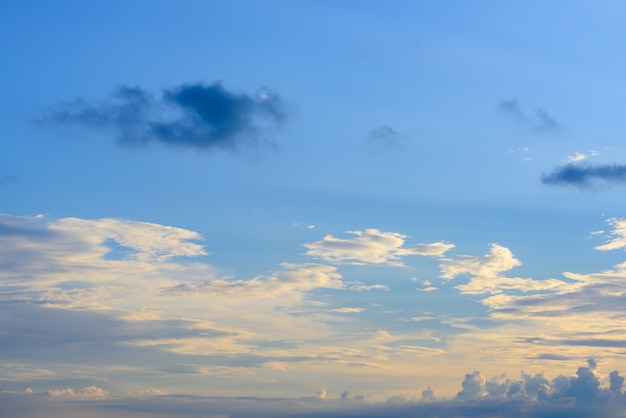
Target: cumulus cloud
[539, 121]
[148, 393]
[371, 247]
[193, 115]
[85, 393]
[486, 273]
[473, 387]
[529, 396]
[387, 137]
[586, 176]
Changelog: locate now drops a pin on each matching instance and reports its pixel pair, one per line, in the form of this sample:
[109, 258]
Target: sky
[312, 208]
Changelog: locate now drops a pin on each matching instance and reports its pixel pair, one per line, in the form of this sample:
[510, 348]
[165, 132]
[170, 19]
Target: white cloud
[148, 393]
[485, 271]
[371, 247]
[347, 310]
[575, 157]
[85, 393]
[618, 233]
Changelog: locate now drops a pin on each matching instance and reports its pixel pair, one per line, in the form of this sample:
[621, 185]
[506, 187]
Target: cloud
[579, 156]
[529, 396]
[540, 122]
[371, 247]
[585, 176]
[473, 387]
[87, 392]
[387, 137]
[293, 280]
[148, 393]
[193, 115]
[619, 235]
[7, 179]
[347, 310]
[485, 271]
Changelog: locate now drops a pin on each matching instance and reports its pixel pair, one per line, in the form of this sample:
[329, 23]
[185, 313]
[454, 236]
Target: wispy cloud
[586, 176]
[7, 179]
[371, 247]
[539, 121]
[387, 137]
[194, 115]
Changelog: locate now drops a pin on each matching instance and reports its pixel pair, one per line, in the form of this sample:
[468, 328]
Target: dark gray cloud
[539, 121]
[387, 137]
[201, 116]
[585, 176]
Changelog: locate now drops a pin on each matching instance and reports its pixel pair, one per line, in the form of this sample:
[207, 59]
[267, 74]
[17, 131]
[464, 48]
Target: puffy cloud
[582, 395]
[194, 115]
[87, 392]
[148, 393]
[371, 247]
[485, 271]
[473, 387]
[586, 176]
[320, 393]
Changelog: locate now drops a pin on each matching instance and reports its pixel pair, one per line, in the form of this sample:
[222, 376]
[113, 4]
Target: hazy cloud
[7, 179]
[294, 279]
[585, 176]
[195, 115]
[387, 137]
[539, 121]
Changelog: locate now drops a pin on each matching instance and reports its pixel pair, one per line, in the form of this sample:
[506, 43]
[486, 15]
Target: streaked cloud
[348, 310]
[371, 247]
[586, 176]
[618, 234]
[295, 278]
[194, 115]
[539, 121]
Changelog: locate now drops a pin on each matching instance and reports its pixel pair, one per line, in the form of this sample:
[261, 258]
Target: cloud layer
[530, 396]
[195, 115]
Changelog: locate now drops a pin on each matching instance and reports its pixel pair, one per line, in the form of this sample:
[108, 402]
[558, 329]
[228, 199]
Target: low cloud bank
[582, 395]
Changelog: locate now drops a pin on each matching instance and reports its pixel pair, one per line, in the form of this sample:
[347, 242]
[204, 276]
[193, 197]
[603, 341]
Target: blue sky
[312, 207]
